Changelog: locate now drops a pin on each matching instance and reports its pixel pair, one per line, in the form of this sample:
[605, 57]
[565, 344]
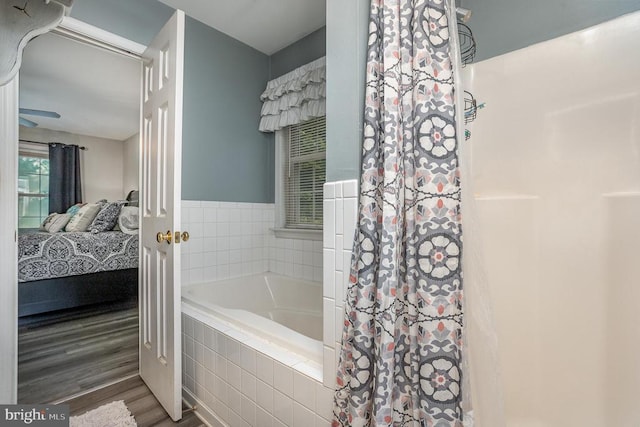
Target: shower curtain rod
[47, 143]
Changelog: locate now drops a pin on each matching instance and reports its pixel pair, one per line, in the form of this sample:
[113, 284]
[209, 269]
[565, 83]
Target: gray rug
[114, 414]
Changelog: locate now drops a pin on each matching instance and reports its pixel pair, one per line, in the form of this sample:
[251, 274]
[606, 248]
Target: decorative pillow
[74, 209]
[47, 220]
[55, 222]
[107, 217]
[84, 217]
[128, 221]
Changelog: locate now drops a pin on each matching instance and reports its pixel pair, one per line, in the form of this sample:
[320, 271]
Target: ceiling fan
[29, 112]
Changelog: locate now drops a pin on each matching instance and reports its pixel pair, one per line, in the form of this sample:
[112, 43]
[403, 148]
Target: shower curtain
[400, 362]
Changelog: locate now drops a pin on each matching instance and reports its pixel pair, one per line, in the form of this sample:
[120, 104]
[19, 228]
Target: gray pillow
[107, 217]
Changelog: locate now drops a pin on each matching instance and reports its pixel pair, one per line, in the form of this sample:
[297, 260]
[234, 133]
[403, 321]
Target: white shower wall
[556, 168]
[235, 239]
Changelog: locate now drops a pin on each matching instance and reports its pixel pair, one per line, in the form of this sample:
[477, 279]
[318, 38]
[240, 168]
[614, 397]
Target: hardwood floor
[143, 406]
[75, 352]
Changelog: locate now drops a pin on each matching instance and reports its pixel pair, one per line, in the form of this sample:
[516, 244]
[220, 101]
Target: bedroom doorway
[78, 315]
[77, 331]
[160, 69]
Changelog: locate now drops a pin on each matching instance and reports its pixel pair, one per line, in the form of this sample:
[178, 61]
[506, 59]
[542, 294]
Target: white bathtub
[252, 351]
[274, 308]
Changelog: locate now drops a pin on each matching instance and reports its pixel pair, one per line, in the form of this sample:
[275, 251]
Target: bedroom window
[33, 189]
[304, 174]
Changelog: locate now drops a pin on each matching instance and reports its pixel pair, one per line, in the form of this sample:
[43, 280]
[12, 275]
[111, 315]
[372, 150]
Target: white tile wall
[259, 391]
[227, 239]
[235, 239]
[296, 258]
[340, 214]
[238, 384]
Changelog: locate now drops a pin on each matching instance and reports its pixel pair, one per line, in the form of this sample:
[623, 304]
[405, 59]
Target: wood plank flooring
[76, 352]
[142, 404]
[72, 352]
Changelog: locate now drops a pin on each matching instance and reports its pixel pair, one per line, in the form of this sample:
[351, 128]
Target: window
[304, 174]
[33, 189]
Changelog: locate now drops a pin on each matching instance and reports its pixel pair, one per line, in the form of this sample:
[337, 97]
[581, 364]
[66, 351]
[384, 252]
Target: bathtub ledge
[308, 367]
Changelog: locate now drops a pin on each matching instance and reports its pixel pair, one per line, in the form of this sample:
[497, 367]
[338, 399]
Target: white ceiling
[96, 92]
[266, 25]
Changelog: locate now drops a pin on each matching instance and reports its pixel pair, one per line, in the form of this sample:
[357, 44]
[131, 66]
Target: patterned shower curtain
[400, 362]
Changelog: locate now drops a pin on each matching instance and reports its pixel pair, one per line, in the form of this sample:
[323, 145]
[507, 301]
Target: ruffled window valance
[294, 97]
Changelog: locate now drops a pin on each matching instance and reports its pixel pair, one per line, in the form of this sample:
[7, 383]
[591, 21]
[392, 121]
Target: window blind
[305, 174]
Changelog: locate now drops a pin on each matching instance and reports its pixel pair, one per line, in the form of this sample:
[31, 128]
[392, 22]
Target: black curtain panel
[65, 189]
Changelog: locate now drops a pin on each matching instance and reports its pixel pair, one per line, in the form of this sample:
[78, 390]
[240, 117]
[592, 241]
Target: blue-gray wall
[224, 156]
[303, 51]
[501, 26]
[347, 30]
[137, 20]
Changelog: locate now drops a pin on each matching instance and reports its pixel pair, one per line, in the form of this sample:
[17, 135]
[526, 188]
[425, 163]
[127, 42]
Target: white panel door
[160, 176]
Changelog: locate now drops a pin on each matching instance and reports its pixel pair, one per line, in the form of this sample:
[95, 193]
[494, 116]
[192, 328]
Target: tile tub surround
[236, 380]
[340, 214]
[297, 258]
[239, 381]
[235, 239]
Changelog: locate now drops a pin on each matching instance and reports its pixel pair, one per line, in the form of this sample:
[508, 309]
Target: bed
[71, 269]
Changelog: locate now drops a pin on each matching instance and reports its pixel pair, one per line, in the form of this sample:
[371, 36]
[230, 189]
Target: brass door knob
[164, 237]
[185, 236]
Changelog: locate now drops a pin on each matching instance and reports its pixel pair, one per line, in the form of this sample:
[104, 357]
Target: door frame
[79, 30]
[8, 241]
[9, 131]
